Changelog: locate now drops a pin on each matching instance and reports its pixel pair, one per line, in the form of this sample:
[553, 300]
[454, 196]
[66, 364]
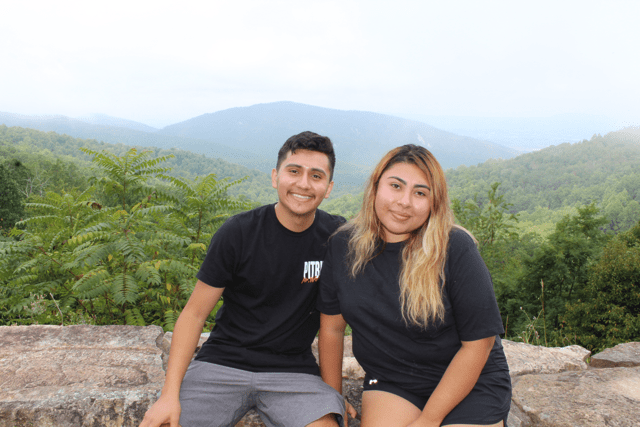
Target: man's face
[302, 182]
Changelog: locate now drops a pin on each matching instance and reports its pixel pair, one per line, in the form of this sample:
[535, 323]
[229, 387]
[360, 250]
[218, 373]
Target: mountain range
[250, 136]
[245, 134]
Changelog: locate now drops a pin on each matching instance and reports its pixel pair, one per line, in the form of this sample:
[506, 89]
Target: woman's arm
[456, 383]
[183, 344]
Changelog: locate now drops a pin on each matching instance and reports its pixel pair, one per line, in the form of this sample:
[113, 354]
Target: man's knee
[328, 420]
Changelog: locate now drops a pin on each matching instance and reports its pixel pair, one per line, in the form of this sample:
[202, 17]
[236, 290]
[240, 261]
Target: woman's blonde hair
[425, 252]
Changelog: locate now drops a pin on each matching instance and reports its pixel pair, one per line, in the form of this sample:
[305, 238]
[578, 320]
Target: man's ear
[326, 195]
[274, 178]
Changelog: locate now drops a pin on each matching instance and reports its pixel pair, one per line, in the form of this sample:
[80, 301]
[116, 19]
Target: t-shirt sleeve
[218, 267]
[470, 290]
[328, 302]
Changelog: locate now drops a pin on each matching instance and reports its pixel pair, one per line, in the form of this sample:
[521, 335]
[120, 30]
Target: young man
[265, 263]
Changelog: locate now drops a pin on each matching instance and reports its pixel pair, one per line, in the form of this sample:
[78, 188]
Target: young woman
[420, 302]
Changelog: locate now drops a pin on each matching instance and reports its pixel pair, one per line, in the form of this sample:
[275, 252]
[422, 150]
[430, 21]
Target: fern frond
[124, 288]
[147, 273]
[134, 317]
[170, 319]
[94, 283]
[42, 206]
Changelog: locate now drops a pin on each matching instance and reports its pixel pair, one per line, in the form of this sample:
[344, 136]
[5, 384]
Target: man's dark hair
[308, 141]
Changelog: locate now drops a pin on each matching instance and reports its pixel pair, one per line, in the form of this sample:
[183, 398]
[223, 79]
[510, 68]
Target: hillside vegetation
[115, 236]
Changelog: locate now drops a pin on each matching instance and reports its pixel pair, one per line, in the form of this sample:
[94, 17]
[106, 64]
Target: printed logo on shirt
[311, 271]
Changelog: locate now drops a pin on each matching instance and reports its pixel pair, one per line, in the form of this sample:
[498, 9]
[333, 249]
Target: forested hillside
[605, 170]
[36, 149]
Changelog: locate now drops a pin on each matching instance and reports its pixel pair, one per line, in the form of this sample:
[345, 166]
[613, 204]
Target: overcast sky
[161, 62]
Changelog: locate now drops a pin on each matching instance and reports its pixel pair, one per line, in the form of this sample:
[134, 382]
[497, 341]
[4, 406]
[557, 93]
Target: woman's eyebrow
[415, 186]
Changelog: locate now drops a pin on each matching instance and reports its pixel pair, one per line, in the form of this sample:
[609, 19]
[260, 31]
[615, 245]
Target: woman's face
[403, 201]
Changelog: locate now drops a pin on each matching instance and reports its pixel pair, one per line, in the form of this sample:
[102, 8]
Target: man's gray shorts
[215, 396]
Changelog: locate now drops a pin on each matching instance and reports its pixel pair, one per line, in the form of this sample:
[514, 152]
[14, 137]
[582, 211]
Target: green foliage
[608, 312]
[542, 221]
[12, 206]
[77, 259]
[125, 176]
[347, 205]
[203, 205]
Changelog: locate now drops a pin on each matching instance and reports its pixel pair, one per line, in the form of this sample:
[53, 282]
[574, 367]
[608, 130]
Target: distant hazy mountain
[103, 119]
[361, 138]
[113, 134]
[524, 133]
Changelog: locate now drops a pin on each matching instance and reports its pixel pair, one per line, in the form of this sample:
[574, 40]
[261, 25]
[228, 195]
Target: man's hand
[165, 411]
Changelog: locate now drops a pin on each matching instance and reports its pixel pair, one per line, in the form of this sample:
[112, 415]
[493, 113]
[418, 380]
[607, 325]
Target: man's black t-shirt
[410, 356]
[268, 319]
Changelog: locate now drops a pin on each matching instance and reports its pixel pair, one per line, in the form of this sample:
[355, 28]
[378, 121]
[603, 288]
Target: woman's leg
[383, 409]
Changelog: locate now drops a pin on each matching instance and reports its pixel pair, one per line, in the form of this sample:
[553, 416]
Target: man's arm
[183, 344]
[330, 352]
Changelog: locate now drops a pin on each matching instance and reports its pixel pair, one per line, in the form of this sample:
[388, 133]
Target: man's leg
[214, 395]
[297, 400]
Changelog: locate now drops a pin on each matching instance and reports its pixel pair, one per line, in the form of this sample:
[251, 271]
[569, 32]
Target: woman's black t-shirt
[410, 356]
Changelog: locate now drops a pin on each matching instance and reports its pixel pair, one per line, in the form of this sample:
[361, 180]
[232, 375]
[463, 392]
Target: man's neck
[295, 223]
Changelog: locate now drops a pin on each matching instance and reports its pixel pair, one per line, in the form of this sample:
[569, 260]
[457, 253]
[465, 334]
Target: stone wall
[109, 375]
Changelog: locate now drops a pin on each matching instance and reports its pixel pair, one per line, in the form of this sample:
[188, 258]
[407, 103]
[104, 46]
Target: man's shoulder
[252, 215]
[248, 220]
[329, 221]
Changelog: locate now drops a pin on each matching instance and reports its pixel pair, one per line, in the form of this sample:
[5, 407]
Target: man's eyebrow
[415, 186]
[294, 165]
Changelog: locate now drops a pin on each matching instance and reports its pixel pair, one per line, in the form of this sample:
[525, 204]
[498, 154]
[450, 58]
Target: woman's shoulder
[460, 238]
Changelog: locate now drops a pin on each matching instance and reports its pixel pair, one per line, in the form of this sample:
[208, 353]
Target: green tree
[490, 221]
[608, 313]
[503, 250]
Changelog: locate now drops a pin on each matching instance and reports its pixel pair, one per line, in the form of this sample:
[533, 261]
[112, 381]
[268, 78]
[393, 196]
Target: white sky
[161, 62]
